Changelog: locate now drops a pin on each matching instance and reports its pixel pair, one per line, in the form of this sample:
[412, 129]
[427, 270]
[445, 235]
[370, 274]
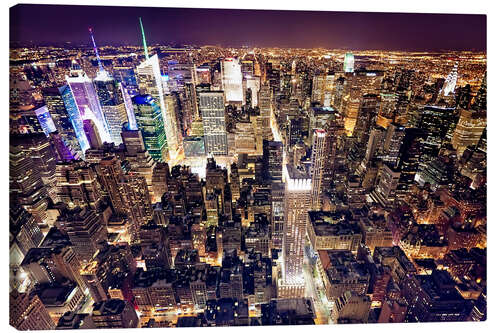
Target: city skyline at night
[173, 167]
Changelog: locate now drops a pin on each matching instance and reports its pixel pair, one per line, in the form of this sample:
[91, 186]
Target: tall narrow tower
[116, 108]
[451, 81]
[318, 164]
[149, 81]
[297, 204]
[146, 54]
[101, 68]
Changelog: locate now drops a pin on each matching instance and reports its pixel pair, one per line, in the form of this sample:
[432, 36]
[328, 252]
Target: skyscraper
[44, 157]
[451, 81]
[86, 99]
[117, 109]
[317, 168]
[297, 204]
[349, 62]
[75, 116]
[409, 158]
[56, 105]
[126, 76]
[265, 99]
[232, 81]
[85, 230]
[363, 82]
[273, 154]
[45, 120]
[25, 183]
[214, 122]
[110, 95]
[469, 129]
[150, 123]
[480, 98]
[77, 184]
[150, 83]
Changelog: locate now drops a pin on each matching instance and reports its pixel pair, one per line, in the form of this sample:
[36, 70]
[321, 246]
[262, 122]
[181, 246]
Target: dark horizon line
[79, 45]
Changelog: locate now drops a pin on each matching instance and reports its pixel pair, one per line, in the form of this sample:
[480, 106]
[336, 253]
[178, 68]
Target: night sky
[356, 31]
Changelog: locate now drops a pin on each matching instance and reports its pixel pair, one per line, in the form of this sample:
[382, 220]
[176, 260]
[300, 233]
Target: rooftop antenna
[101, 68]
[144, 40]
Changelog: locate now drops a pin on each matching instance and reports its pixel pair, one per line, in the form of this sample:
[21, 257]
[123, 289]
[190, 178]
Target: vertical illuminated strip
[146, 54]
[75, 118]
[101, 69]
[132, 122]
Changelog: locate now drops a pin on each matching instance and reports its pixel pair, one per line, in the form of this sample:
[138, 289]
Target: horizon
[357, 31]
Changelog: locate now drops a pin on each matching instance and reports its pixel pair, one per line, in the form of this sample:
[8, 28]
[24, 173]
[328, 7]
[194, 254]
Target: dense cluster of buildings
[217, 186]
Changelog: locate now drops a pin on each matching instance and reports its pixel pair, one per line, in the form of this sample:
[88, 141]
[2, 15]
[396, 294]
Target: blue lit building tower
[56, 102]
[126, 76]
[74, 116]
[45, 120]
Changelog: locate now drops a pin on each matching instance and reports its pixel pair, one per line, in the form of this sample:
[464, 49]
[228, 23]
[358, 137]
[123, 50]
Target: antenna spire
[101, 68]
[144, 40]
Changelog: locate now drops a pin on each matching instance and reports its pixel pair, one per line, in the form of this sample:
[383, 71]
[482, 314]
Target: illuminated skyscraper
[26, 185]
[451, 81]
[37, 146]
[203, 74]
[23, 229]
[141, 162]
[469, 129]
[150, 123]
[126, 76]
[127, 191]
[349, 62]
[323, 88]
[150, 83]
[60, 115]
[273, 154]
[367, 115]
[85, 230]
[77, 184]
[110, 96]
[86, 99]
[266, 111]
[232, 81]
[117, 109]
[252, 83]
[363, 82]
[318, 164]
[335, 133]
[45, 120]
[393, 140]
[179, 74]
[297, 204]
[74, 116]
[214, 122]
